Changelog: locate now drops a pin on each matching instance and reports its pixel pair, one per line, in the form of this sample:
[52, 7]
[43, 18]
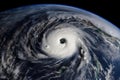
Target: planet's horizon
[57, 42]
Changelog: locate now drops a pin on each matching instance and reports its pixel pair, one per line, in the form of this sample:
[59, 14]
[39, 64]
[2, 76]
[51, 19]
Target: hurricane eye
[63, 41]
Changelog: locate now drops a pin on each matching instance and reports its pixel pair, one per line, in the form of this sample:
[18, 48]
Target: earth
[57, 42]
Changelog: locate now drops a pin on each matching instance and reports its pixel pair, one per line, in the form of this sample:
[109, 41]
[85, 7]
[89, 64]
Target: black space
[108, 9]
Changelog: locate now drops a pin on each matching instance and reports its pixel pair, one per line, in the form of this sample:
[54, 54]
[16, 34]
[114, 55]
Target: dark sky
[108, 9]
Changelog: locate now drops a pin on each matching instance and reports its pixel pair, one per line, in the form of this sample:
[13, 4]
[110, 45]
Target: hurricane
[57, 42]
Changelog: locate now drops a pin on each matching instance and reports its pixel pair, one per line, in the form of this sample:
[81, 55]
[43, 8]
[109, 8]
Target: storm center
[63, 40]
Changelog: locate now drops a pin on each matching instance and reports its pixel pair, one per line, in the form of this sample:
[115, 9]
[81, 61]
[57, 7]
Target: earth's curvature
[57, 42]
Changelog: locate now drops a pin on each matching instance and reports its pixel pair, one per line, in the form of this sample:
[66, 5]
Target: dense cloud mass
[56, 42]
